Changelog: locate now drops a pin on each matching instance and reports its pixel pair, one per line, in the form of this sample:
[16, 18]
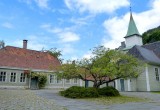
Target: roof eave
[132, 35]
[16, 68]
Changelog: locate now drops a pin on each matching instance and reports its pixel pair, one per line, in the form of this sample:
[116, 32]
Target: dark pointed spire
[132, 28]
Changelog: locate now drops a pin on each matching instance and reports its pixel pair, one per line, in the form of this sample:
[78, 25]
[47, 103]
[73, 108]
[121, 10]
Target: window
[157, 74]
[75, 81]
[67, 81]
[52, 78]
[13, 77]
[22, 77]
[2, 76]
[58, 81]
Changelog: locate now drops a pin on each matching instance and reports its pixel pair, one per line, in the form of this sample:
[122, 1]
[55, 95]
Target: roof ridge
[25, 49]
[151, 43]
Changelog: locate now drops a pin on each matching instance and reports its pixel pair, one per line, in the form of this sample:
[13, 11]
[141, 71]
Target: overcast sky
[73, 26]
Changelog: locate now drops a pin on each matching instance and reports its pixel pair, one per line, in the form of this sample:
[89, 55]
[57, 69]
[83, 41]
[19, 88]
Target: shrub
[79, 92]
[42, 79]
[91, 92]
[108, 91]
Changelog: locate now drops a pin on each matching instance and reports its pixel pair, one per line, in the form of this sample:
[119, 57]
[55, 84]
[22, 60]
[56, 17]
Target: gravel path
[70, 104]
[25, 100]
[50, 100]
[153, 102]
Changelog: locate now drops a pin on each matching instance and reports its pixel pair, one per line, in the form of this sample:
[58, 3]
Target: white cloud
[42, 3]
[96, 6]
[7, 25]
[82, 21]
[67, 49]
[34, 42]
[49, 28]
[68, 37]
[65, 35]
[116, 27]
[87, 55]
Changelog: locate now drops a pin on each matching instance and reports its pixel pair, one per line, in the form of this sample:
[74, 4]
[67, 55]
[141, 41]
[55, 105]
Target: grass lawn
[116, 100]
[157, 92]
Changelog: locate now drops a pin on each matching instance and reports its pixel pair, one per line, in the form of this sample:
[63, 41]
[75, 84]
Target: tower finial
[130, 7]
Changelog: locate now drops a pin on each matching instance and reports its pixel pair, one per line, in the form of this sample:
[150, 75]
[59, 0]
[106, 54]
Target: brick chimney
[25, 44]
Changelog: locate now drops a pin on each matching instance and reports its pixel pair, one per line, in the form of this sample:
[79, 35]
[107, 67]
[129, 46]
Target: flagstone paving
[50, 100]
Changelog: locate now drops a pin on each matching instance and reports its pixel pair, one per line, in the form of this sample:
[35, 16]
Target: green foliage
[69, 70]
[108, 91]
[80, 92]
[2, 44]
[151, 35]
[104, 64]
[42, 78]
[55, 53]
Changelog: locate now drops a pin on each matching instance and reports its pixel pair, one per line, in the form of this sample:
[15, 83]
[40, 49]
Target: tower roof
[132, 28]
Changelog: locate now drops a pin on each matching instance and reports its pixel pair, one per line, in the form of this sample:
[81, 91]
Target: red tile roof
[25, 58]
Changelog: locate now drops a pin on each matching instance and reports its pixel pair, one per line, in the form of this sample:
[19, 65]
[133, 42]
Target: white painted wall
[129, 85]
[147, 78]
[133, 40]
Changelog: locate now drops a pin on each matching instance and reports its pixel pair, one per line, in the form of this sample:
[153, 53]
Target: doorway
[122, 84]
[34, 83]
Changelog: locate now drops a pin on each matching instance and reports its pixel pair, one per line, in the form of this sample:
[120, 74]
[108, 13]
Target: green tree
[105, 66]
[2, 44]
[151, 35]
[56, 53]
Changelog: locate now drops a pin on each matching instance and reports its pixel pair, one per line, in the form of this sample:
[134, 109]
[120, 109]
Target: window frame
[74, 81]
[3, 74]
[22, 76]
[52, 82]
[156, 70]
[68, 82]
[55, 80]
[58, 81]
[14, 76]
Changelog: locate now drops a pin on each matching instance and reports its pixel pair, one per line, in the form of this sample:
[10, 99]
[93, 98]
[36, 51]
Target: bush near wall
[42, 79]
[81, 92]
[108, 91]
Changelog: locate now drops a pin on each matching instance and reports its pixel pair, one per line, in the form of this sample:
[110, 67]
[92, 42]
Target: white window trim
[5, 76]
[53, 79]
[158, 74]
[10, 78]
[68, 82]
[59, 80]
[20, 78]
[74, 82]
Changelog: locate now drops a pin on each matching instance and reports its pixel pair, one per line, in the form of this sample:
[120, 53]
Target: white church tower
[132, 37]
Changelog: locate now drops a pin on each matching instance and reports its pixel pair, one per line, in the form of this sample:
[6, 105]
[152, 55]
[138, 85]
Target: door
[86, 83]
[122, 84]
[34, 83]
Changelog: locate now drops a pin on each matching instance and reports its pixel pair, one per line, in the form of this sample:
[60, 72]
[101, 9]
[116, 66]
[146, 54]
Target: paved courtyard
[50, 100]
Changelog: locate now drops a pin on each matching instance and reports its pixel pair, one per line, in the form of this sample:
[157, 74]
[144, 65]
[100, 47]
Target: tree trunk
[96, 85]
